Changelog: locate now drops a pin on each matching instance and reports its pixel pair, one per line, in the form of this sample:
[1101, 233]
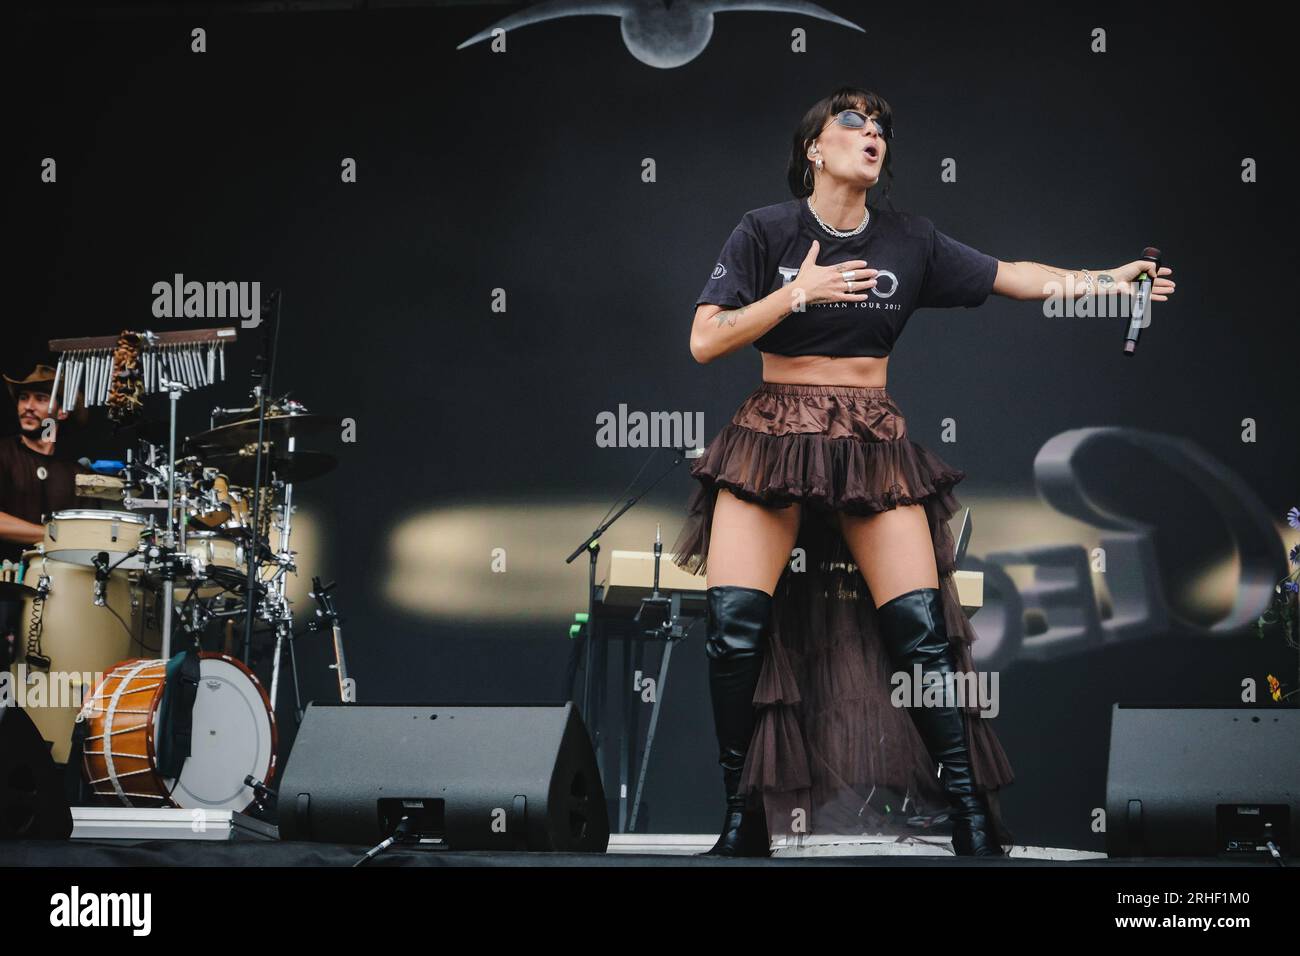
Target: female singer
[824, 528]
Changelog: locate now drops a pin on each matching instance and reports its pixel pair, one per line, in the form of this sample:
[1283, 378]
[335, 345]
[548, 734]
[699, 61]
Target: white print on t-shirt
[788, 274]
[866, 304]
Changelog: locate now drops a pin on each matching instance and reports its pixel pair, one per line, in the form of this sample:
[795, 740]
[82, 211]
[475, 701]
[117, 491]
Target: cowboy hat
[41, 375]
[41, 379]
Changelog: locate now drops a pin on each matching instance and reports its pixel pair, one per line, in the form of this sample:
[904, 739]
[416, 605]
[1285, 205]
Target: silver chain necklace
[840, 233]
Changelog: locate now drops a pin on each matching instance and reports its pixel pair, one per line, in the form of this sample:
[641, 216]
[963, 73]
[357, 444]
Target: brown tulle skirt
[831, 755]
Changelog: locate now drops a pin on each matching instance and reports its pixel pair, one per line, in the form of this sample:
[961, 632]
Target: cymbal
[292, 467]
[279, 428]
[13, 591]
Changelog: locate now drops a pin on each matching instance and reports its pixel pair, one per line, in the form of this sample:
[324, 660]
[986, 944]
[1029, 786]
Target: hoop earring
[806, 171]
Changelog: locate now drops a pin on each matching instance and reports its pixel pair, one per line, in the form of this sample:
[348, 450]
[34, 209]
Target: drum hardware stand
[593, 696]
[657, 609]
[293, 671]
[268, 601]
[219, 412]
[278, 610]
[291, 638]
[282, 627]
[662, 616]
[328, 616]
[174, 390]
[199, 615]
[264, 378]
[284, 615]
[150, 476]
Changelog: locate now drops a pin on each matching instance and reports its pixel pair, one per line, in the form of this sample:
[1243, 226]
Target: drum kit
[190, 543]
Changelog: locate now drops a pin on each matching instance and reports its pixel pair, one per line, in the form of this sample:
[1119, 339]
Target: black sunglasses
[855, 119]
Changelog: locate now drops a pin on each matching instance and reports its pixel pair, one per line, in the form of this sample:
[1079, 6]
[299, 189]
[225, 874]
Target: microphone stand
[659, 613]
[261, 395]
[171, 544]
[592, 546]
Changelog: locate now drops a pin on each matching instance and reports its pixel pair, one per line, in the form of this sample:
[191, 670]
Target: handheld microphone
[1141, 300]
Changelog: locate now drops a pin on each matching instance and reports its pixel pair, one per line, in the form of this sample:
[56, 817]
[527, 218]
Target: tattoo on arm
[728, 317]
[1062, 273]
[1105, 282]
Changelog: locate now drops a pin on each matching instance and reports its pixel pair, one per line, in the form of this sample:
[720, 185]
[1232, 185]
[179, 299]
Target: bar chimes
[118, 371]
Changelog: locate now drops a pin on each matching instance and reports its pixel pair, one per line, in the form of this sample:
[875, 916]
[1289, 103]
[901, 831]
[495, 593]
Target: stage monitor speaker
[33, 805]
[1203, 781]
[471, 777]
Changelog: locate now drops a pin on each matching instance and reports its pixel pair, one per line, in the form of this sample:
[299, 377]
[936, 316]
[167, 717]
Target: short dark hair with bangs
[815, 120]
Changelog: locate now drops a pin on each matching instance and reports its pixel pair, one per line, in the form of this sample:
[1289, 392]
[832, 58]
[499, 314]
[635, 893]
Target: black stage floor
[200, 853]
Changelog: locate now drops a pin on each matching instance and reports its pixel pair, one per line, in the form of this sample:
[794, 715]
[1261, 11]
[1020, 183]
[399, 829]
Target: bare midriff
[864, 371]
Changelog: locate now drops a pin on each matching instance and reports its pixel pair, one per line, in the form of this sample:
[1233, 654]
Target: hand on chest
[896, 278]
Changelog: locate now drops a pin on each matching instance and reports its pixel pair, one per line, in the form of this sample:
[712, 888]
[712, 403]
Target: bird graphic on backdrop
[659, 33]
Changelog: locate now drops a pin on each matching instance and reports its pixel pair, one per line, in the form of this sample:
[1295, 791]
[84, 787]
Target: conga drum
[80, 639]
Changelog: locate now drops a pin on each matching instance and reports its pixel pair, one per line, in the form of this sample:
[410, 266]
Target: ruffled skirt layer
[831, 754]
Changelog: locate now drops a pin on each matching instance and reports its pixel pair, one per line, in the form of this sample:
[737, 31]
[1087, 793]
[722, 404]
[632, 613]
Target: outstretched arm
[1035, 281]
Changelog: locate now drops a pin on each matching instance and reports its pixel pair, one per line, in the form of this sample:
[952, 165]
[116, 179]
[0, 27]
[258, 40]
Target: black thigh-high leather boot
[738, 618]
[913, 628]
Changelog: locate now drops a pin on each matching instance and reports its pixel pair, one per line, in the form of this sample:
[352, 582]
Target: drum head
[86, 558]
[233, 737]
[78, 535]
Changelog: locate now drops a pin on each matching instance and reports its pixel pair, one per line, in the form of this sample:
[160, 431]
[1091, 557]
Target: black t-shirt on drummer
[919, 267]
[33, 486]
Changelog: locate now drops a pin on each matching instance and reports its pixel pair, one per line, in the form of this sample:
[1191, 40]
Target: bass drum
[81, 640]
[234, 735]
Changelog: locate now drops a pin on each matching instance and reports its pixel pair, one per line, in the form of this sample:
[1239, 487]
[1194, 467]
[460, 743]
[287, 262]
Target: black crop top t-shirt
[919, 267]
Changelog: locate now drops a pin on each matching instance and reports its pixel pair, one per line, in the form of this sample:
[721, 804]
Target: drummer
[35, 480]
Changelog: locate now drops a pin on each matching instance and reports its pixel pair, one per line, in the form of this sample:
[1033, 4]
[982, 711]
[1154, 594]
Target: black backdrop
[523, 171]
